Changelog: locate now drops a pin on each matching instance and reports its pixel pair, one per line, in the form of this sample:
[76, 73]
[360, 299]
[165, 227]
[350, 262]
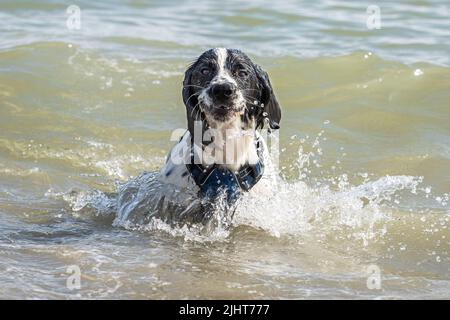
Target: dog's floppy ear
[189, 98]
[272, 110]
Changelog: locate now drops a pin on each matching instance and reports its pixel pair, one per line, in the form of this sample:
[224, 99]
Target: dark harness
[215, 179]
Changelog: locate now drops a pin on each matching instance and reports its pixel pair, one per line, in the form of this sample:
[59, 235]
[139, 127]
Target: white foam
[305, 206]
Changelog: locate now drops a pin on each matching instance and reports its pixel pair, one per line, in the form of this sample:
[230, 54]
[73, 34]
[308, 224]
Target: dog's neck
[232, 146]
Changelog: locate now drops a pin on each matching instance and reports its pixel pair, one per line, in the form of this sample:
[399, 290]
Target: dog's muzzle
[223, 96]
[223, 92]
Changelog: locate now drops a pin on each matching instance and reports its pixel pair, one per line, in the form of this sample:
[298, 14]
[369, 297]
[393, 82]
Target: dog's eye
[205, 71]
[242, 73]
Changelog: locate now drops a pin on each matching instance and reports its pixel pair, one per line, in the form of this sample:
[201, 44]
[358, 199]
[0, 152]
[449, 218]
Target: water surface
[364, 150]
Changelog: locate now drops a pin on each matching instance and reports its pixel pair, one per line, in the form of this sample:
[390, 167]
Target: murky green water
[365, 170]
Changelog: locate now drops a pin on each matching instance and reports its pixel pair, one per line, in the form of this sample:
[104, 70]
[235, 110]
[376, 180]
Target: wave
[104, 117]
[300, 207]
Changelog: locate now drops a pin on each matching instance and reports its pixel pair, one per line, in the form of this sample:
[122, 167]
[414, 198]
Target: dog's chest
[175, 171]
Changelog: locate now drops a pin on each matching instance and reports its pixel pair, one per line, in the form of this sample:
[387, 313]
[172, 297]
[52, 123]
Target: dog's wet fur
[225, 91]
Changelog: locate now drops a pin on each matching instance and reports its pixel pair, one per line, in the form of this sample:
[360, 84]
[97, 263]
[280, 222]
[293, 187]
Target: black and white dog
[228, 100]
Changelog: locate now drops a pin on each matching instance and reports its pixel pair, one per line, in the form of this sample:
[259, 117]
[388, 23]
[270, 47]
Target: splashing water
[79, 110]
[295, 207]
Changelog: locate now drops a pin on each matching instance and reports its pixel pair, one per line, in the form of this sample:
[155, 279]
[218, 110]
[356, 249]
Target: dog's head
[224, 85]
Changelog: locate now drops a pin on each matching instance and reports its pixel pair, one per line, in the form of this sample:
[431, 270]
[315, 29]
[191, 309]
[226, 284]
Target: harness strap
[214, 179]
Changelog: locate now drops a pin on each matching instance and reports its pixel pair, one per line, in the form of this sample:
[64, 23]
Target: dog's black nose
[223, 91]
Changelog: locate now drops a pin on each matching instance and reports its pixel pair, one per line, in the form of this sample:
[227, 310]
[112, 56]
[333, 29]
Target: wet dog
[228, 100]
